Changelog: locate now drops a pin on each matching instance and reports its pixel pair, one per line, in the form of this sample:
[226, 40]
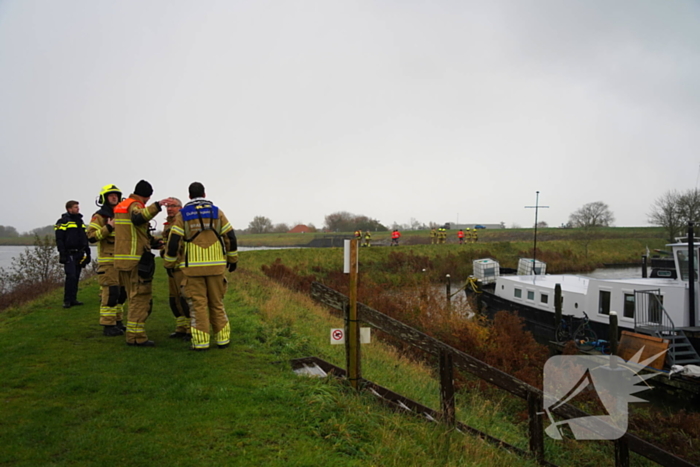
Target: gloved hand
[169, 271]
[85, 262]
[62, 258]
[232, 267]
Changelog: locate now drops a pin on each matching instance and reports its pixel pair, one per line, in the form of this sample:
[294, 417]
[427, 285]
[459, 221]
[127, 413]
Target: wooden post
[613, 333]
[447, 388]
[448, 288]
[353, 326]
[535, 428]
[622, 453]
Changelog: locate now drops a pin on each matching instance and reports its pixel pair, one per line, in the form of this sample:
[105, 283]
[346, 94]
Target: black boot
[142, 344]
[112, 331]
[121, 326]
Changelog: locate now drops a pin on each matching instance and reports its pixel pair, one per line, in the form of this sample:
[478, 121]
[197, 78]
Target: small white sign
[364, 335]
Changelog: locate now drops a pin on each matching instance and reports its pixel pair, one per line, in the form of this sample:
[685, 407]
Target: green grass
[73, 397]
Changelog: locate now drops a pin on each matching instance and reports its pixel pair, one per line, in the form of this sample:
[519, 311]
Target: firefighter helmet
[107, 189]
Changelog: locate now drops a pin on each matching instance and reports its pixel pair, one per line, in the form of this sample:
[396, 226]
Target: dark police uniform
[74, 253]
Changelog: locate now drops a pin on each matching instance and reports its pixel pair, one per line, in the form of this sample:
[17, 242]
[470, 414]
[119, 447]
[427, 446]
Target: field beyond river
[71, 396]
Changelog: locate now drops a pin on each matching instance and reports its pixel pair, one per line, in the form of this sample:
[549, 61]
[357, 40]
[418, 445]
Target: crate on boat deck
[486, 270]
[529, 266]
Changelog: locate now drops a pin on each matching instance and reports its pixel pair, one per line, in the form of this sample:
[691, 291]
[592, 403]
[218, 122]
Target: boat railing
[650, 316]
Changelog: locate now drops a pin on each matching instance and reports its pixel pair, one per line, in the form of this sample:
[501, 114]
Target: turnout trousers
[112, 294]
[205, 295]
[178, 304]
[138, 292]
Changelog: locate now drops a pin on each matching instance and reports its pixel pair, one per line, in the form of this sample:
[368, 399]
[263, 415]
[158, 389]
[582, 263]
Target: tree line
[7, 231]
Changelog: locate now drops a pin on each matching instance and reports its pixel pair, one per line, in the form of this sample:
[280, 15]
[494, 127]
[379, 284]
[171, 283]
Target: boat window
[682, 257]
[604, 302]
[628, 311]
[544, 298]
[518, 293]
[530, 294]
[664, 273]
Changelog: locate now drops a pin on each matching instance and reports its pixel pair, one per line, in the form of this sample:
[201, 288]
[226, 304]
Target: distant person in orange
[460, 236]
[395, 235]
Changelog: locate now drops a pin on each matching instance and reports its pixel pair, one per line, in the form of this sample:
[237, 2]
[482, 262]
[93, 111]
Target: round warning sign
[337, 334]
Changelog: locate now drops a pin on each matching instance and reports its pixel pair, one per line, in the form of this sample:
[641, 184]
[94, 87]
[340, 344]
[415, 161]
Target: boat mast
[534, 251]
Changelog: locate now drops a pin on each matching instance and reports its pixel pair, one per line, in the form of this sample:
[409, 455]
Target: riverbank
[69, 392]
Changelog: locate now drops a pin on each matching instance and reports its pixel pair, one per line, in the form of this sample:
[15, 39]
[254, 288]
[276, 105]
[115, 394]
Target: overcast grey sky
[433, 110]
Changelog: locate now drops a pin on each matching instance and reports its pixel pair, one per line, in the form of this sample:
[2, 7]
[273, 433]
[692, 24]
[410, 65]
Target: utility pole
[534, 251]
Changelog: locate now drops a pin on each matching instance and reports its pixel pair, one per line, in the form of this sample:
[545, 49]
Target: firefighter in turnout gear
[368, 237]
[442, 235]
[133, 258]
[433, 236]
[101, 232]
[73, 250]
[178, 303]
[210, 248]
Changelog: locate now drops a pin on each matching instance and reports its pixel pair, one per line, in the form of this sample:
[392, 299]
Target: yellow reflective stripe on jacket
[177, 231]
[134, 241]
[66, 226]
[210, 256]
[232, 254]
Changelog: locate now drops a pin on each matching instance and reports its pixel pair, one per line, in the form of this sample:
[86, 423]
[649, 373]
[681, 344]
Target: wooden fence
[451, 358]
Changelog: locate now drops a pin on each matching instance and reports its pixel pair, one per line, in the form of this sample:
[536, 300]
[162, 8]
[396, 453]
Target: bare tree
[664, 212]
[280, 228]
[8, 231]
[260, 224]
[596, 214]
[674, 210]
[344, 221]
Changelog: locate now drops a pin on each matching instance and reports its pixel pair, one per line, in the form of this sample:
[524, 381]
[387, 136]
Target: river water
[8, 252]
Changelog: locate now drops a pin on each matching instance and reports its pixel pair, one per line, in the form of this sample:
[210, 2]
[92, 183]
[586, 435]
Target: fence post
[557, 305]
[447, 388]
[448, 288]
[536, 429]
[622, 452]
[613, 333]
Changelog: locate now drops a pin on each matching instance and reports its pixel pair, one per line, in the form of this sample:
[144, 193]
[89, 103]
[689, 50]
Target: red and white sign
[337, 336]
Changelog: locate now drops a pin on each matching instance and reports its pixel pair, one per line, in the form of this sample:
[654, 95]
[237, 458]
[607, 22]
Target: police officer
[133, 258]
[101, 232]
[210, 248]
[73, 250]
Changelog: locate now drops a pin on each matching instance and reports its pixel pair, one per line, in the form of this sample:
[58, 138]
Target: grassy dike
[70, 396]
